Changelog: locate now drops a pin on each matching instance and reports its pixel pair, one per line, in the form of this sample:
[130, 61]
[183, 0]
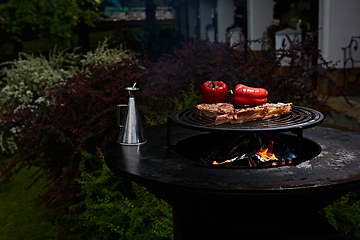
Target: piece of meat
[264, 111]
[277, 109]
[213, 110]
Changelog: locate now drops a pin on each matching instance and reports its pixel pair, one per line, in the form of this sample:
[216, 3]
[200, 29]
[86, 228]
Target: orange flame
[267, 153]
[216, 163]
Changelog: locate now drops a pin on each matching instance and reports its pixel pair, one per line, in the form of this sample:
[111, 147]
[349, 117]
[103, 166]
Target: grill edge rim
[314, 118]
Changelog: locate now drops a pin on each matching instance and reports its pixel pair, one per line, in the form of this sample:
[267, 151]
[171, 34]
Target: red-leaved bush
[201, 60]
[83, 118]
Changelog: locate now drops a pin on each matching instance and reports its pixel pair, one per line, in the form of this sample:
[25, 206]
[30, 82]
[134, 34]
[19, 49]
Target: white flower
[27, 76]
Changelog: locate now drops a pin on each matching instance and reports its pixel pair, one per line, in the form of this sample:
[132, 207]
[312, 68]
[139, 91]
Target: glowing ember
[202, 160]
[250, 152]
[229, 161]
[267, 153]
[216, 163]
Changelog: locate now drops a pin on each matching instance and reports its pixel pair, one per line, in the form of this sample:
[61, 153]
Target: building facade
[213, 19]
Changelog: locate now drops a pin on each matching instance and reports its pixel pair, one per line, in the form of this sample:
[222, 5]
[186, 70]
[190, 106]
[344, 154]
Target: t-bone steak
[264, 111]
[213, 110]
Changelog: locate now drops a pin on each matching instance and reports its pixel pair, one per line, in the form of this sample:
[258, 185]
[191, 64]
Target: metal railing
[352, 66]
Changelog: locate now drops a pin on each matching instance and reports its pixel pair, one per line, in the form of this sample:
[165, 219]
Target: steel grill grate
[300, 117]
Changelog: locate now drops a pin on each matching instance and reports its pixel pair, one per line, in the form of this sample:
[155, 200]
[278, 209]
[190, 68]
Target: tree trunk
[150, 10]
[17, 47]
[83, 36]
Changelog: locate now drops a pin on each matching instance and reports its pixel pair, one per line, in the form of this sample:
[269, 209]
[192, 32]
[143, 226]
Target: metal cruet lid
[133, 88]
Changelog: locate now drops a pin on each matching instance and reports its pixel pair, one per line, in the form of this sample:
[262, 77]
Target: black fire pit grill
[212, 202]
[298, 118]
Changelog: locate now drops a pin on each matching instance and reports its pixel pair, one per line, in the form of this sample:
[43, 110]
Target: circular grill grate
[299, 117]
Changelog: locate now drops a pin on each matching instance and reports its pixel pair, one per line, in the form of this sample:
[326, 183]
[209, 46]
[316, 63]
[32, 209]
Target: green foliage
[184, 101]
[80, 118]
[188, 100]
[54, 20]
[153, 122]
[104, 54]
[297, 100]
[27, 77]
[25, 80]
[114, 208]
[16, 15]
[344, 215]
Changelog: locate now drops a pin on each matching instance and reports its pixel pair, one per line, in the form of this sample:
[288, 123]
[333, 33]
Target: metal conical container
[131, 131]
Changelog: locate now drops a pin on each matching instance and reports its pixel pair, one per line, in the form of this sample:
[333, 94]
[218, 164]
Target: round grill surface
[299, 117]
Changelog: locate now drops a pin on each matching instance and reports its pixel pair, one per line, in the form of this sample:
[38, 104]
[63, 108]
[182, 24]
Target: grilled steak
[213, 110]
[264, 111]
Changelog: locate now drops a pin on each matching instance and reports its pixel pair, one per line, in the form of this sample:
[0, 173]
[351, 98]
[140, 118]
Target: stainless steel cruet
[131, 131]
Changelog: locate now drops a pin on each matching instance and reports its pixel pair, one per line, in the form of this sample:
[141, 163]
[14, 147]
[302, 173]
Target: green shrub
[188, 99]
[26, 79]
[104, 54]
[344, 215]
[113, 208]
[81, 118]
[184, 101]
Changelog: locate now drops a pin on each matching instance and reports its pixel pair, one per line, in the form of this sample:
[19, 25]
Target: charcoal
[242, 150]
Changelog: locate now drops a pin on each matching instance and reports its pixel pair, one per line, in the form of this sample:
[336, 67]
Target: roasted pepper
[214, 91]
[244, 96]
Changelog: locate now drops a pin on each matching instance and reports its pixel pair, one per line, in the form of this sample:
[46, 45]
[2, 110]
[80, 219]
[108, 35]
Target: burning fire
[216, 163]
[267, 154]
[227, 161]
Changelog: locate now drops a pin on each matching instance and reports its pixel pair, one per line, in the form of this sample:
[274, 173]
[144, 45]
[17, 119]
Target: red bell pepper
[244, 96]
[243, 101]
[241, 89]
[214, 91]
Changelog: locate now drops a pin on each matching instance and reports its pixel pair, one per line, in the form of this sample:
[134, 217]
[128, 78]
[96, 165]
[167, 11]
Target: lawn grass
[21, 216]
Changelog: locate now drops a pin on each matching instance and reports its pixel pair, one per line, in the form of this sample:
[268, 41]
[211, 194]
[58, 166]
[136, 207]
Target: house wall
[182, 21]
[260, 16]
[205, 11]
[193, 19]
[225, 11]
[338, 22]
